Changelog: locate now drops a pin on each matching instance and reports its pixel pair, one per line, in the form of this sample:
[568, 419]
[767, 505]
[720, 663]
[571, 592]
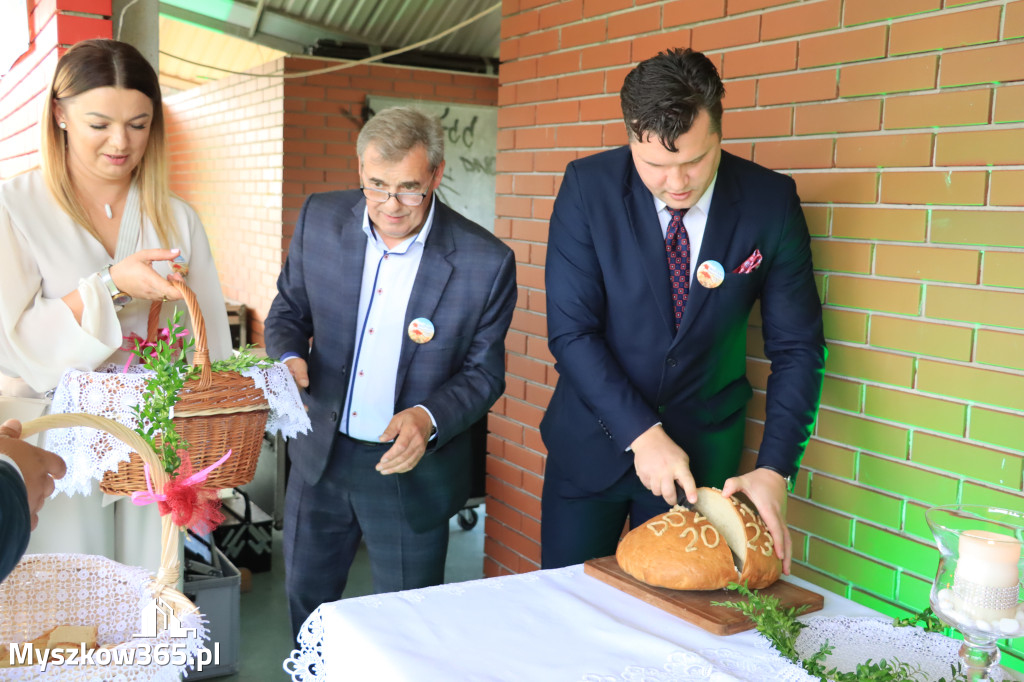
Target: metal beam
[256, 19]
[275, 29]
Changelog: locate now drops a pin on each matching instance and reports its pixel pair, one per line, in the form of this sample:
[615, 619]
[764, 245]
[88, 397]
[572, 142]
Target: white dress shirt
[388, 277]
[695, 220]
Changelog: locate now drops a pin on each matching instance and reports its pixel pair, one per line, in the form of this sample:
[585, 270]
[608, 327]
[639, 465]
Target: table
[546, 625]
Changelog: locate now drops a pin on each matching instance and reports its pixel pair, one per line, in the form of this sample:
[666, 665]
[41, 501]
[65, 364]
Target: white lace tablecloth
[547, 625]
[45, 590]
[110, 392]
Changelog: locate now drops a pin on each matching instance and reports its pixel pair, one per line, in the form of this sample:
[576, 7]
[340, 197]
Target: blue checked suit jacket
[465, 285]
[623, 366]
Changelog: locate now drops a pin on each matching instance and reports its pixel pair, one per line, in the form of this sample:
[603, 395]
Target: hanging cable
[120, 19]
[346, 65]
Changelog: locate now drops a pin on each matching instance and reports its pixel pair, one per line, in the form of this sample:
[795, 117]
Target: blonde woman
[86, 242]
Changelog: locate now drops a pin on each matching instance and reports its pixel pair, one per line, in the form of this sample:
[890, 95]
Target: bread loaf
[722, 541]
[746, 534]
[679, 550]
[63, 638]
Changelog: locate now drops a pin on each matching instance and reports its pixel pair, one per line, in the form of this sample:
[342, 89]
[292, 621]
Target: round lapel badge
[710, 274]
[421, 330]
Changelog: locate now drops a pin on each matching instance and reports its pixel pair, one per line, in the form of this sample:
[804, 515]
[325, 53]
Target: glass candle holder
[977, 588]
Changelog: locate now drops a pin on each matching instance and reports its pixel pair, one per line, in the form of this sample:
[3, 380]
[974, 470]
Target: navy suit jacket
[465, 285]
[622, 365]
[15, 519]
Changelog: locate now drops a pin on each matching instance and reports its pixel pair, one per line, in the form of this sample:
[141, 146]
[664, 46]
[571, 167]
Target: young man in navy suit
[407, 303]
[657, 253]
[26, 480]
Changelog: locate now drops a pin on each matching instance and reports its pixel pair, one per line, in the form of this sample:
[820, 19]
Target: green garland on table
[780, 626]
[167, 360]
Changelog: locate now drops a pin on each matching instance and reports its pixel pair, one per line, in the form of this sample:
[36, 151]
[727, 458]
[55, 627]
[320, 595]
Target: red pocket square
[750, 264]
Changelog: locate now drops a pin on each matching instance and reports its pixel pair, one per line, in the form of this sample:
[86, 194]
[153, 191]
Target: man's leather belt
[367, 443]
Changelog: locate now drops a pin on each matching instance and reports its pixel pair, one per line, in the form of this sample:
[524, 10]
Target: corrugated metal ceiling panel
[296, 25]
[397, 23]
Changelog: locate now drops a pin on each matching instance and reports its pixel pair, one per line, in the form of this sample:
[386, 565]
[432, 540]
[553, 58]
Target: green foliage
[926, 620]
[777, 624]
[155, 413]
[242, 360]
[780, 626]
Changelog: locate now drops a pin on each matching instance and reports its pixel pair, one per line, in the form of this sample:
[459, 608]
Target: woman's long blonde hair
[107, 63]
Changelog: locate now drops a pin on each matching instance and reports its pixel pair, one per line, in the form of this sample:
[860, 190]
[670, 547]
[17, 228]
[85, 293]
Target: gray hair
[395, 131]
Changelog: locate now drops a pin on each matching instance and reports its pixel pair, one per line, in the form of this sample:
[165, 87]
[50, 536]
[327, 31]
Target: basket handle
[168, 574]
[201, 357]
[115, 429]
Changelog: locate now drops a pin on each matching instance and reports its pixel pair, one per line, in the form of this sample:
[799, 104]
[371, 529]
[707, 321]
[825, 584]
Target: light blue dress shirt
[388, 278]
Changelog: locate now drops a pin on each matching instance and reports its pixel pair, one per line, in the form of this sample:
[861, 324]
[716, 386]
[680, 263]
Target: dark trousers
[577, 526]
[324, 523]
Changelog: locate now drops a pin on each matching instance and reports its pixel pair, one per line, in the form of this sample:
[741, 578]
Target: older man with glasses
[391, 313]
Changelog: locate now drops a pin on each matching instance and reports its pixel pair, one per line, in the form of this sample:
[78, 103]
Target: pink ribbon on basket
[134, 341]
[185, 499]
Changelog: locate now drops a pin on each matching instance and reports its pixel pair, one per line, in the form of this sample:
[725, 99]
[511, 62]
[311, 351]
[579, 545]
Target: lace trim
[46, 590]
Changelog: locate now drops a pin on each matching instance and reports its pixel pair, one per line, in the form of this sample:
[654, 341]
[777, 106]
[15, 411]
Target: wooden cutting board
[695, 606]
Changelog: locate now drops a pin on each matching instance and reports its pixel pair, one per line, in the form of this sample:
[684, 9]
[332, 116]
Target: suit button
[671, 362]
[661, 409]
[334, 416]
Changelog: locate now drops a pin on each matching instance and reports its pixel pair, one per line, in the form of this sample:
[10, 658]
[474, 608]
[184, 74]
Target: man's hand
[300, 371]
[767, 490]
[410, 429]
[660, 463]
[38, 467]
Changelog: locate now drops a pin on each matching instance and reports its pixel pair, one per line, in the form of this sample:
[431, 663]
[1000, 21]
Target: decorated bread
[63, 638]
[679, 549]
[746, 534]
[722, 541]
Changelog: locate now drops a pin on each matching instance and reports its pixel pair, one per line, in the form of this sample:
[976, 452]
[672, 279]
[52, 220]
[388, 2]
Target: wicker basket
[46, 590]
[215, 413]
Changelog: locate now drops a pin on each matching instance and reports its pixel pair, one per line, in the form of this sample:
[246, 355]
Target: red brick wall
[226, 148]
[901, 123]
[247, 151]
[52, 29]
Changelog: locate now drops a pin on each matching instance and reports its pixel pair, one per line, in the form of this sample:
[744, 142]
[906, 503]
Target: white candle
[987, 575]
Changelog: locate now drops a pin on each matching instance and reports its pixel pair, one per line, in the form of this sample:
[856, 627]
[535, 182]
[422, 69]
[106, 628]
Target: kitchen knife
[681, 500]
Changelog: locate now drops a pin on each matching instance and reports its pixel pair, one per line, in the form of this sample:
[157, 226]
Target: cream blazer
[44, 255]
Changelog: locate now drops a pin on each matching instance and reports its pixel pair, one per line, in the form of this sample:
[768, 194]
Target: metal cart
[468, 517]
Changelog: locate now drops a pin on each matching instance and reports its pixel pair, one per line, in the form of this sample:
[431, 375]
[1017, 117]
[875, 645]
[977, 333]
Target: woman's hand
[136, 277]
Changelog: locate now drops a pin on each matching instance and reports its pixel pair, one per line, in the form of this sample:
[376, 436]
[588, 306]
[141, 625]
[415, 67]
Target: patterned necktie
[677, 249]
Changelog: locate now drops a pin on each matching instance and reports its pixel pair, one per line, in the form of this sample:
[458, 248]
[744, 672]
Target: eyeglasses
[379, 196]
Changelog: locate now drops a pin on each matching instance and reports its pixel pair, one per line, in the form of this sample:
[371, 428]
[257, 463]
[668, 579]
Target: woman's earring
[62, 125]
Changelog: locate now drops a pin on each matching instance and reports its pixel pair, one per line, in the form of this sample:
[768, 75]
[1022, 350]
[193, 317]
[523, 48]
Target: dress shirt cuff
[99, 317]
[288, 356]
[5, 458]
[433, 421]
[790, 480]
[645, 431]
